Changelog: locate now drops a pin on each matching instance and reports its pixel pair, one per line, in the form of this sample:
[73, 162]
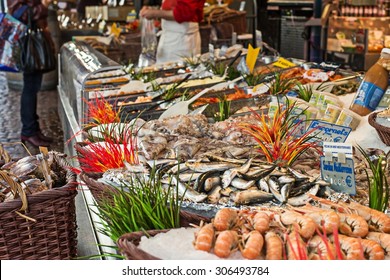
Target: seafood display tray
[151, 110]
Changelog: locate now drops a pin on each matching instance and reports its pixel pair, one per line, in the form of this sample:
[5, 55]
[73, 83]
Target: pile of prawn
[343, 231]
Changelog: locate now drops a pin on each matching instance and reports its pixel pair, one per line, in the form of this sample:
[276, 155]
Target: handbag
[11, 29]
[9, 57]
[36, 50]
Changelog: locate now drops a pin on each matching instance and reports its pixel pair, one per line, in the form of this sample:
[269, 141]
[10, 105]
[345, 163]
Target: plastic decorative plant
[277, 136]
[112, 153]
[101, 111]
[306, 91]
[224, 109]
[140, 203]
[378, 187]
[254, 79]
[280, 85]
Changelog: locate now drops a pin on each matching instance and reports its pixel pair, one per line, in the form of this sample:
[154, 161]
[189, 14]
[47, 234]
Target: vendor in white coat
[180, 28]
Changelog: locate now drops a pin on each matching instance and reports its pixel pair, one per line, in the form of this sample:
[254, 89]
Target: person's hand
[148, 13]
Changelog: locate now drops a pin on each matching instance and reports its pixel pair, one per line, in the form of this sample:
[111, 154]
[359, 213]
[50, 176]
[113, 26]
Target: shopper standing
[32, 81]
[180, 28]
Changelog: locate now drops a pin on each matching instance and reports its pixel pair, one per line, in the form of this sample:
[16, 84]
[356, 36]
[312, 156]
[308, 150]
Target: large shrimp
[327, 219]
[321, 249]
[353, 225]
[273, 246]
[225, 243]
[296, 247]
[251, 245]
[383, 239]
[372, 250]
[225, 219]
[261, 221]
[377, 220]
[306, 225]
[350, 247]
[204, 238]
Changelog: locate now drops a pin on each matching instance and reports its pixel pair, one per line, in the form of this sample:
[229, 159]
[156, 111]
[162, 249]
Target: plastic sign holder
[328, 132]
[337, 167]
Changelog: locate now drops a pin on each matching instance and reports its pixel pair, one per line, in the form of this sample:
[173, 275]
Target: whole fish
[242, 184]
[211, 182]
[263, 185]
[214, 195]
[252, 196]
[187, 192]
[258, 173]
[209, 166]
[304, 198]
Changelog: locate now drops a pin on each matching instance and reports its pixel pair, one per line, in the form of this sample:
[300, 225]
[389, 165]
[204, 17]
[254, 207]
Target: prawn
[320, 248]
[273, 245]
[326, 218]
[377, 220]
[382, 239]
[225, 243]
[306, 225]
[353, 225]
[251, 245]
[261, 222]
[225, 219]
[372, 250]
[350, 247]
[204, 238]
[296, 247]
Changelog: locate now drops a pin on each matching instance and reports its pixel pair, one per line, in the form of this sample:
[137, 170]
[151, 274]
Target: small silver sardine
[285, 191]
[188, 193]
[227, 177]
[286, 179]
[242, 184]
[252, 196]
[274, 188]
[188, 177]
[178, 167]
[304, 198]
[209, 166]
[214, 195]
[211, 183]
[263, 185]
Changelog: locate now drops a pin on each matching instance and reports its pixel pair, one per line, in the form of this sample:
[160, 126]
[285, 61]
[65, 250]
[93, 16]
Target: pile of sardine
[240, 182]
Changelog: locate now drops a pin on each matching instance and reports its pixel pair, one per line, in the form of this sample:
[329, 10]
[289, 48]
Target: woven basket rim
[128, 242]
[372, 121]
[69, 187]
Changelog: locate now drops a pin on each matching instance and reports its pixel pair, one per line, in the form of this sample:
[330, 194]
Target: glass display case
[357, 40]
[83, 71]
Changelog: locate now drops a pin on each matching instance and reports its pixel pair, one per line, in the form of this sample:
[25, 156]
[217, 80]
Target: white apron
[178, 40]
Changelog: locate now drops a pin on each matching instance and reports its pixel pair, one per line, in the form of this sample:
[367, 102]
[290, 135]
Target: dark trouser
[28, 103]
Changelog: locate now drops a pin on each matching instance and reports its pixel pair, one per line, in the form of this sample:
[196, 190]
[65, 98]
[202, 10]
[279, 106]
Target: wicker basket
[127, 243]
[54, 233]
[383, 131]
[100, 191]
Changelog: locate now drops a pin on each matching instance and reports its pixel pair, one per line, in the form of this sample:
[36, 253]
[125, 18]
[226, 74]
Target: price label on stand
[337, 167]
[328, 132]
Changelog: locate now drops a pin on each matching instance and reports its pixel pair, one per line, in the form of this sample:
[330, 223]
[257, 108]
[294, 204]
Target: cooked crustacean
[226, 243]
[225, 219]
[204, 239]
[251, 245]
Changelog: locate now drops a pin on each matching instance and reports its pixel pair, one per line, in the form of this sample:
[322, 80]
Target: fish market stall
[276, 147]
